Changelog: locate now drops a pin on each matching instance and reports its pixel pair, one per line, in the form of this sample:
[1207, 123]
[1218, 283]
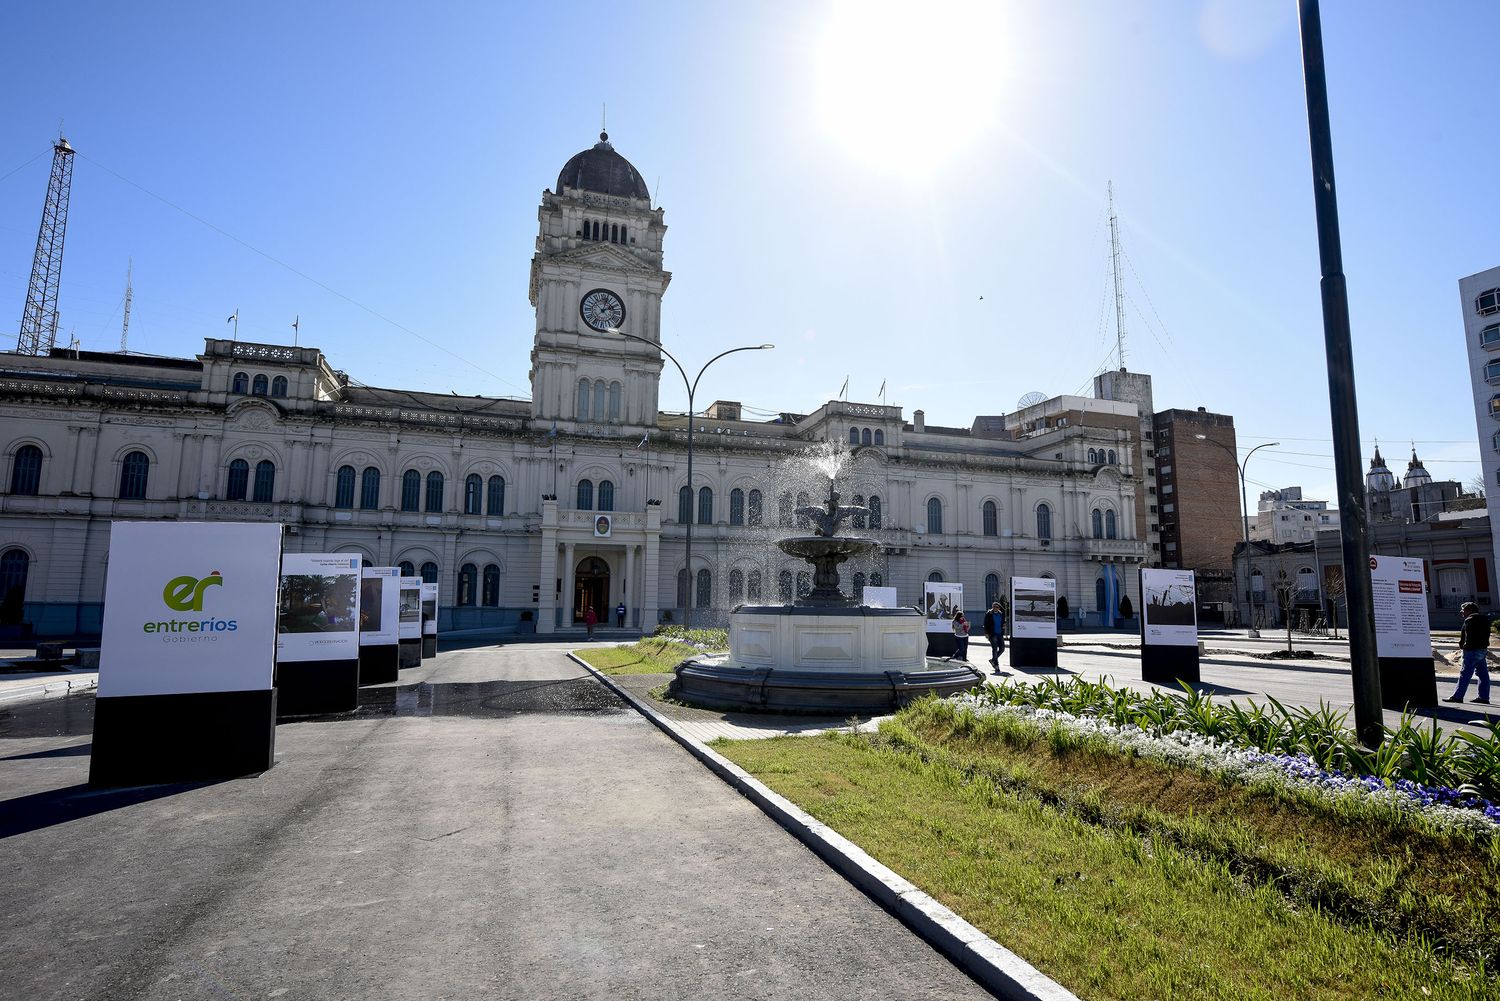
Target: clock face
[602, 309]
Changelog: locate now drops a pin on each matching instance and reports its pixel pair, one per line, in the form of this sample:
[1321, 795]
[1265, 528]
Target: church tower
[598, 264]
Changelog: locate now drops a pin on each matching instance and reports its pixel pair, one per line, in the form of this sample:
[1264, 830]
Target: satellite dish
[1030, 400]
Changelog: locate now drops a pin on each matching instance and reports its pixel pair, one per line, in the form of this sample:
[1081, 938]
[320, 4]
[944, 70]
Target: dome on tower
[599, 168]
[1416, 474]
[1379, 479]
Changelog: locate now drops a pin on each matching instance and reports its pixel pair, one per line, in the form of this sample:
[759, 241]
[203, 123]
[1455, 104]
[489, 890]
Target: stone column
[567, 585]
[628, 592]
[546, 613]
[650, 591]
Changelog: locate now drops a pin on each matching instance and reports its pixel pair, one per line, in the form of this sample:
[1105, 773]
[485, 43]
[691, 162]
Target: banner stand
[378, 665]
[317, 635]
[1407, 682]
[1033, 622]
[1169, 626]
[1167, 665]
[410, 617]
[1403, 638]
[429, 620]
[379, 634]
[1031, 652]
[194, 737]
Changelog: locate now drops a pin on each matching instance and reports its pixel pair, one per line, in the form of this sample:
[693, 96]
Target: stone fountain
[825, 652]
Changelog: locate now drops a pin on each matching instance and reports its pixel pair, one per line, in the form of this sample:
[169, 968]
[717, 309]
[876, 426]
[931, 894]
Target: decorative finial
[604, 137]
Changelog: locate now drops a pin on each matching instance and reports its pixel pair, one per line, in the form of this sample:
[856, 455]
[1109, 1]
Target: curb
[995, 967]
[63, 686]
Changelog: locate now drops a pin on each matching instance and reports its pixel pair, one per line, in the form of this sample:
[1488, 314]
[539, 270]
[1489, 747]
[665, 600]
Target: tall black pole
[692, 512]
[1353, 528]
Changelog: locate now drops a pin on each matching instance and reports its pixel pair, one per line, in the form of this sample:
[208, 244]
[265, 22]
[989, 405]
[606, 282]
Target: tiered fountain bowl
[825, 653]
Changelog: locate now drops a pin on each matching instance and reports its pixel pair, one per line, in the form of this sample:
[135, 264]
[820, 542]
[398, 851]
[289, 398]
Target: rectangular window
[1151, 490]
[1167, 489]
[1492, 371]
[1168, 508]
[1152, 509]
[1166, 470]
[1150, 452]
[1171, 547]
[1163, 453]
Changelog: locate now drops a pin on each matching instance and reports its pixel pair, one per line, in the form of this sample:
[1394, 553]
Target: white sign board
[410, 608]
[380, 606]
[189, 607]
[1169, 606]
[429, 608]
[940, 602]
[1398, 587]
[319, 614]
[880, 597]
[1033, 608]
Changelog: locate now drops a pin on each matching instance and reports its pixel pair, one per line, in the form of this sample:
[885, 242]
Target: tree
[1333, 587]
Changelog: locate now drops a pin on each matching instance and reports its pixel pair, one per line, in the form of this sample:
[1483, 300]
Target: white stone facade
[499, 498]
[1479, 295]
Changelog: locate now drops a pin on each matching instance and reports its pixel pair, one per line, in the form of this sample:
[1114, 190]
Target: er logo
[185, 594]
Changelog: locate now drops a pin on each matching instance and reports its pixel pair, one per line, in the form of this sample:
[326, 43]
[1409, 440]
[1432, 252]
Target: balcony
[1115, 550]
[621, 520]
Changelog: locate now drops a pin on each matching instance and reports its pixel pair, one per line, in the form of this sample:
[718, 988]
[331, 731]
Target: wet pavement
[496, 825]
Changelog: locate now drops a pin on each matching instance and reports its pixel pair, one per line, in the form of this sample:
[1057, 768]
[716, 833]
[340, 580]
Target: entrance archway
[591, 588]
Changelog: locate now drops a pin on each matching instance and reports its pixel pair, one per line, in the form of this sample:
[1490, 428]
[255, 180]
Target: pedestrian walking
[960, 636]
[1474, 641]
[994, 631]
[620, 615]
[590, 620]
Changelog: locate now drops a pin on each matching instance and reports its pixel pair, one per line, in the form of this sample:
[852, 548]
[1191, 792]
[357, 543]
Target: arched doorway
[591, 588]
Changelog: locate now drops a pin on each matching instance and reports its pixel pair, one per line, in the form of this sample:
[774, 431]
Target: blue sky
[847, 187]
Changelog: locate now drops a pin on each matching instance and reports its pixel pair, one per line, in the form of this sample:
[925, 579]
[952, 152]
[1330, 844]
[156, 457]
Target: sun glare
[917, 82]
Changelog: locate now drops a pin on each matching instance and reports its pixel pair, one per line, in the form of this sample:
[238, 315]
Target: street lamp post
[1245, 509]
[692, 388]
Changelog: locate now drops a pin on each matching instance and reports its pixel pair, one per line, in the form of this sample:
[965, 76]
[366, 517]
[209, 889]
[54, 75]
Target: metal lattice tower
[1114, 254]
[39, 320]
[129, 293]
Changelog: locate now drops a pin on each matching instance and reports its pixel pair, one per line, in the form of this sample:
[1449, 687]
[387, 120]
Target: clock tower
[597, 266]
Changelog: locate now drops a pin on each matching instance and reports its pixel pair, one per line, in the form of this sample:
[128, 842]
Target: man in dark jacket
[1474, 641]
[994, 631]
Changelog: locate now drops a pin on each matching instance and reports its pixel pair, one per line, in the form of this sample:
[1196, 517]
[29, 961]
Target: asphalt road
[508, 831]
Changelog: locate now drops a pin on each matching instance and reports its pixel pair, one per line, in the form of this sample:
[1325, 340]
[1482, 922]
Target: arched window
[606, 495]
[859, 584]
[934, 516]
[623, 237]
[802, 501]
[615, 392]
[874, 506]
[1109, 524]
[784, 587]
[864, 437]
[343, 487]
[1257, 581]
[135, 469]
[241, 383]
[1099, 595]
[238, 487]
[936, 577]
[804, 583]
[876, 580]
[495, 502]
[369, 489]
[584, 393]
[14, 567]
[757, 512]
[736, 585]
[854, 436]
[278, 386]
[26, 471]
[784, 511]
[1044, 521]
[260, 386]
[858, 519]
[601, 399]
[991, 518]
[490, 597]
[435, 492]
[406, 568]
[411, 490]
[991, 589]
[473, 494]
[684, 505]
[736, 506]
[705, 506]
[879, 437]
[596, 229]
[429, 572]
[1097, 520]
[265, 481]
[682, 588]
[1113, 457]
[468, 580]
[752, 586]
[587, 233]
[614, 232]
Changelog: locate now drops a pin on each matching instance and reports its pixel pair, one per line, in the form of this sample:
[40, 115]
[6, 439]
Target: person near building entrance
[620, 615]
[994, 631]
[1474, 641]
[960, 636]
[590, 620]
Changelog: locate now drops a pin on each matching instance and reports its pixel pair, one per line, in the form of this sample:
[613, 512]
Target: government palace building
[528, 511]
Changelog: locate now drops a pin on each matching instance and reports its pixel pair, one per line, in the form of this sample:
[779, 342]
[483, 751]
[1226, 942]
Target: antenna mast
[125, 327]
[1114, 252]
[39, 319]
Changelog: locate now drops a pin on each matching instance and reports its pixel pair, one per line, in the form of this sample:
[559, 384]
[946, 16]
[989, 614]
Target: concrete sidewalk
[509, 830]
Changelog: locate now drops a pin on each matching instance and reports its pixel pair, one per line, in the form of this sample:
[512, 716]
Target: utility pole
[1369, 717]
[1114, 253]
[125, 326]
[39, 318]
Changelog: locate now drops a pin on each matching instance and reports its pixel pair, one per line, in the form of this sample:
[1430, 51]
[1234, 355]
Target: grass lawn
[648, 656]
[1125, 878]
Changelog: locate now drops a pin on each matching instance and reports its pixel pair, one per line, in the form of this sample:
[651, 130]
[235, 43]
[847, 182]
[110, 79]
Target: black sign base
[194, 737]
[316, 687]
[411, 653]
[1167, 665]
[1026, 651]
[429, 647]
[941, 644]
[1408, 681]
[378, 665]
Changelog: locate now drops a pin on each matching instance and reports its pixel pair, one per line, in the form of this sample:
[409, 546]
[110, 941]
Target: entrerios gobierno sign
[185, 594]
